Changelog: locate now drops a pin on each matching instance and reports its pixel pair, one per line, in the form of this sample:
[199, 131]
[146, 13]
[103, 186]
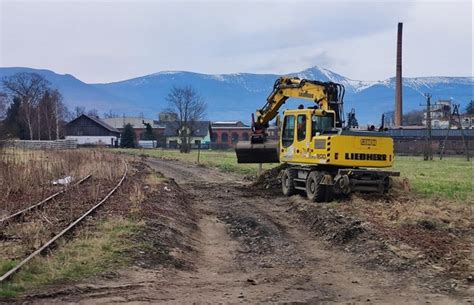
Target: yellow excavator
[324, 158]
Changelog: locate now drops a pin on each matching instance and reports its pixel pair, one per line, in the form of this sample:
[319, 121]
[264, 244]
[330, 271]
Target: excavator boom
[327, 96]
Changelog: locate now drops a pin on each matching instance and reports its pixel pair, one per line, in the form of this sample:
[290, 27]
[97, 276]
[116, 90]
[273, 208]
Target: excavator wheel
[315, 191]
[288, 182]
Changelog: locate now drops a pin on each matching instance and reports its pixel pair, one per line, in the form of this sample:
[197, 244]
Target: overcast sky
[104, 41]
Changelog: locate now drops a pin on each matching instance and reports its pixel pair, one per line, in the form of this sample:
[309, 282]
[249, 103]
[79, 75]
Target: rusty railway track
[46, 200]
[46, 245]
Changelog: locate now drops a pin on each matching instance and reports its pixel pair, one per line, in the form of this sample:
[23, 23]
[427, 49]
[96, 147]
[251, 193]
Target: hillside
[235, 96]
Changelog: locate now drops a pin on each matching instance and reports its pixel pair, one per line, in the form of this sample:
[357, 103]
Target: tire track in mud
[273, 258]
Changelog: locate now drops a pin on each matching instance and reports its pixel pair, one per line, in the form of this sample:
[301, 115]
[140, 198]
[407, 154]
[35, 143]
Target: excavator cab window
[322, 123]
[288, 134]
[301, 125]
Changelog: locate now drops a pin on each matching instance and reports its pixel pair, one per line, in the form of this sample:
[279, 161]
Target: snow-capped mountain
[236, 96]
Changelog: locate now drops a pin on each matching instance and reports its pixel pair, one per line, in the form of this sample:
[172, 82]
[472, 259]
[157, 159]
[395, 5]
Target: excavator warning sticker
[368, 142]
[306, 94]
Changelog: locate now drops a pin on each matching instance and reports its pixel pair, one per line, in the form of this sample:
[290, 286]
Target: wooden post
[199, 150]
[259, 172]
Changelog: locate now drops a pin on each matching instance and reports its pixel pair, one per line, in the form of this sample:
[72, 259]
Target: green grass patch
[449, 178]
[224, 160]
[92, 252]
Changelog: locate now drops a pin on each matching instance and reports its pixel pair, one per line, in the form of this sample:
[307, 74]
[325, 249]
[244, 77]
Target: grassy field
[225, 160]
[450, 178]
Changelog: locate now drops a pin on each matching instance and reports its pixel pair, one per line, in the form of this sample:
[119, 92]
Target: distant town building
[272, 132]
[88, 129]
[201, 134]
[227, 134]
[167, 116]
[441, 113]
[138, 123]
[467, 121]
[166, 130]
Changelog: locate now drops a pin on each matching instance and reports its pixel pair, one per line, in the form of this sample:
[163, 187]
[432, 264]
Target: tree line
[31, 109]
[188, 106]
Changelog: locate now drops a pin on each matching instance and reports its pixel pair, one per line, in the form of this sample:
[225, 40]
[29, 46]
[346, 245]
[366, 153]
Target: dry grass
[95, 248]
[136, 197]
[439, 229]
[26, 175]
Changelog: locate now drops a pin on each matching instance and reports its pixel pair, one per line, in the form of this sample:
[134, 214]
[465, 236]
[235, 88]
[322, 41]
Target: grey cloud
[101, 41]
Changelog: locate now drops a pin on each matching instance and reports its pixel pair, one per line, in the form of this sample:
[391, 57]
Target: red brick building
[227, 134]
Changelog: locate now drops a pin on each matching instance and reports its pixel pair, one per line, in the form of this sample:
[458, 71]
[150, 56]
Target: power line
[453, 114]
[428, 152]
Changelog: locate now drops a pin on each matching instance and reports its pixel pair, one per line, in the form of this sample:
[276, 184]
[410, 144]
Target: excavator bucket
[257, 152]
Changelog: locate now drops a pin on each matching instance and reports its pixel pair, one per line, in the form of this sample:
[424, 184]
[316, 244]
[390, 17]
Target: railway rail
[46, 200]
[72, 225]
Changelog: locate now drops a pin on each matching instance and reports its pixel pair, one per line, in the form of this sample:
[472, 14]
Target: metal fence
[34, 144]
[435, 133]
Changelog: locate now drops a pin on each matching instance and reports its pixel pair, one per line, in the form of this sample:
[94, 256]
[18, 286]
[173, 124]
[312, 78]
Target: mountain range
[236, 96]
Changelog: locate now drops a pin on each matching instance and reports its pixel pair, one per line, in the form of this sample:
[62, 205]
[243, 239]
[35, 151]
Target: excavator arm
[326, 95]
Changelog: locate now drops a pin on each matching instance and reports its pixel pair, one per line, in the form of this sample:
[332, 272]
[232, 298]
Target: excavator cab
[297, 128]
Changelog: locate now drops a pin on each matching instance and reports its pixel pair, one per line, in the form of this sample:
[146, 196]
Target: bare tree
[3, 104]
[30, 88]
[53, 113]
[78, 111]
[110, 115]
[414, 117]
[62, 114]
[3, 111]
[93, 112]
[46, 109]
[190, 108]
[389, 119]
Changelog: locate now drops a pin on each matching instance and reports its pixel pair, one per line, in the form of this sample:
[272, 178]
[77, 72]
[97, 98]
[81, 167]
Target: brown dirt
[237, 243]
[409, 231]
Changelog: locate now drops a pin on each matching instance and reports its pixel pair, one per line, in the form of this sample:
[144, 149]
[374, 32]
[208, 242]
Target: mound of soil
[167, 238]
[269, 179]
[350, 233]
[169, 220]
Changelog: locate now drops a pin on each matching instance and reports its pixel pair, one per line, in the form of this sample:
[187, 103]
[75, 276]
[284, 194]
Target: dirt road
[252, 249]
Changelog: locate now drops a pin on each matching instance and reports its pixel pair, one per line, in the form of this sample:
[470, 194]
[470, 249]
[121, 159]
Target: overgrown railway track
[69, 228]
[42, 202]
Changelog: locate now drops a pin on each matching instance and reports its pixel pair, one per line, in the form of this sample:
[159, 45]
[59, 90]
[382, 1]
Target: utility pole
[456, 114]
[428, 153]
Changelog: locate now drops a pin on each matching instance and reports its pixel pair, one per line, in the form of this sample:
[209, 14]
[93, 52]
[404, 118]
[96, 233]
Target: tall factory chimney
[398, 78]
